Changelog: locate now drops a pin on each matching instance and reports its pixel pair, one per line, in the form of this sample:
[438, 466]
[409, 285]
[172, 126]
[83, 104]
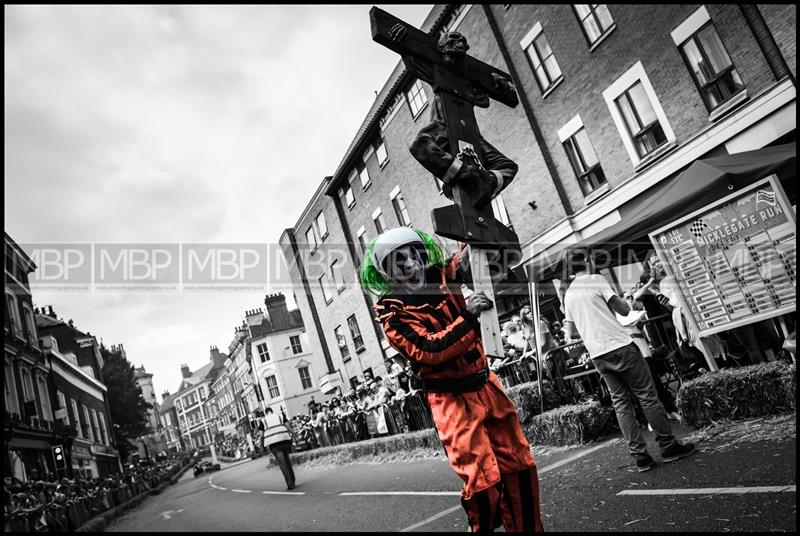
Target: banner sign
[734, 261]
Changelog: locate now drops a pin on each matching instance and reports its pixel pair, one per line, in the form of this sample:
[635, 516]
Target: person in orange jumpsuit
[426, 318]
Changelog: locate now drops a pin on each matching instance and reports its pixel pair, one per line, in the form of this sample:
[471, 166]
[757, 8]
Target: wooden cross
[460, 85]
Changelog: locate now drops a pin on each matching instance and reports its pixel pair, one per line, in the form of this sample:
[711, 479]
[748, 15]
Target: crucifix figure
[452, 149]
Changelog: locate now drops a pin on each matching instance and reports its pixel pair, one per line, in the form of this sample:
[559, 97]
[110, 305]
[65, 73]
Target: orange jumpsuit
[479, 429]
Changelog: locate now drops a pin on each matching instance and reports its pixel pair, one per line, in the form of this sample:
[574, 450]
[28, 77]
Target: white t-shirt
[586, 305]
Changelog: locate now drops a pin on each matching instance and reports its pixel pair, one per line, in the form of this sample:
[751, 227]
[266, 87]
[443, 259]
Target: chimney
[255, 317]
[277, 312]
[50, 309]
[213, 353]
[165, 395]
[185, 371]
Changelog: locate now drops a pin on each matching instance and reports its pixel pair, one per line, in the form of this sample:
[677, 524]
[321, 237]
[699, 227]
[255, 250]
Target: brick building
[170, 428]
[80, 396]
[615, 101]
[192, 401]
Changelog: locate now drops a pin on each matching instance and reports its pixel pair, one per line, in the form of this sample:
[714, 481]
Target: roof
[267, 327]
[167, 403]
[432, 24]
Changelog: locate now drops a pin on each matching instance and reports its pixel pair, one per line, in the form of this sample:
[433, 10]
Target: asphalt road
[585, 489]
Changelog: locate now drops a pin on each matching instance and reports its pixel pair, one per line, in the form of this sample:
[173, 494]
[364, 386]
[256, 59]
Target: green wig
[373, 281]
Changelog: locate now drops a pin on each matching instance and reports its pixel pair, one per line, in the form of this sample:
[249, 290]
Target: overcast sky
[173, 124]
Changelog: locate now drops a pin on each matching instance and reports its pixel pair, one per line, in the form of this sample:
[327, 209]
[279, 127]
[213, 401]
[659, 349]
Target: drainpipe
[526, 105]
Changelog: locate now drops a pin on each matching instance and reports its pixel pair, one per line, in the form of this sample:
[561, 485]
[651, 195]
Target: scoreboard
[734, 261]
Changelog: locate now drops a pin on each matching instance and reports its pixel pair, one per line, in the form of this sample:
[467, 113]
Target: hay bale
[733, 394]
[569, 425]
[525, 397]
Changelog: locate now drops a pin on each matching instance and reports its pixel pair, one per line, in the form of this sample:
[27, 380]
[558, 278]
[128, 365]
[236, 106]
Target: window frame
[379, 220]
[13, 309]
[324, 280]
[593, 14]
[529, 43]
[622, 84]
[320, 234]
[10, 388]
[644, 129]
[701, 88]
[341, 342]
[262, 354]
[568, 135]
[420, 90]
[397, 198]
[338, 282]
[361, 171]
[271, 387]
[356, 334]
[307, 377]
[294, 340]
[313, 234]
[381, 144]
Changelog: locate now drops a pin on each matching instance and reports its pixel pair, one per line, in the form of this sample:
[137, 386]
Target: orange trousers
[485, 445]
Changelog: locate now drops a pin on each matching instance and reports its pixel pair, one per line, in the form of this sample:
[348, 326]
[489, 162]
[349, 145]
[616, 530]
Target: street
[746, 487]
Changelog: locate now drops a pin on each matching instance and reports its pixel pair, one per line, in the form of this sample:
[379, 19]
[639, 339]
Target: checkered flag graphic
[697, 227]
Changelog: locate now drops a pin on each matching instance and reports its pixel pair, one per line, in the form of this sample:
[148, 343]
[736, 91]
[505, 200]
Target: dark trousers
[281, 451]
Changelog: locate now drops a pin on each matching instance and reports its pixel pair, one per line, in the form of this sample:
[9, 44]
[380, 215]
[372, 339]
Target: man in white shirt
[589, 307]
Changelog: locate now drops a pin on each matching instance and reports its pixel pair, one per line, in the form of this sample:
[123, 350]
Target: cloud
[178, 124]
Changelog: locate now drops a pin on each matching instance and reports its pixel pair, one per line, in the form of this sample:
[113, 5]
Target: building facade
[615, 101]
[170, 428]
[152, 443]
[192, 401]
[288, 368]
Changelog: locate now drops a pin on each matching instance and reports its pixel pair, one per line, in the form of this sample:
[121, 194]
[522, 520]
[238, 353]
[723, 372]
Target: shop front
[83, 461]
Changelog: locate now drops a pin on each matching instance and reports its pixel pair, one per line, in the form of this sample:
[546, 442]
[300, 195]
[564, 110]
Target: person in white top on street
[589, 307]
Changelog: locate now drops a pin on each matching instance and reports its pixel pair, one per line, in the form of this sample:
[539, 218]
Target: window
[380, 152]
[96, 427]
[325, 285]
[272, 385]
[202, 392]
[363, 174]
[12, 404]
[30, 324]
[638, 115]
[358, 341]
[311, 238]
[354, 382]
[295, 342]
[342, 342]
[336, 270]
[499, 210]
[44, 398]
[362, 239]
[417, 99]
[305, 378]
[391, 111]
[13, 313]
[62, 404]
[87, 424]
[400, 209]
[27, 386]
[595, 20]
[76, 420]
[322, 227]
[584, 161]
[640, 120]
[711, 67]
[103, 429]
[263, 352]
[346, 194]
[541, 58]
[178, 404]
[380, 223]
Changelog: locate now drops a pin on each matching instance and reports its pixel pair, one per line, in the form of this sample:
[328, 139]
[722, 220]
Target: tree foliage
[126, 402]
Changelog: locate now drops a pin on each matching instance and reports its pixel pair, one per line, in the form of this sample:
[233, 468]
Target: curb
[100, 521]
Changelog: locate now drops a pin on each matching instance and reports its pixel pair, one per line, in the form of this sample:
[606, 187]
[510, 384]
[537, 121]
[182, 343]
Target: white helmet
[391, 240]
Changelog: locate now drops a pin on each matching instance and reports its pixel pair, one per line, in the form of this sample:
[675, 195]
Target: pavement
[742, 485]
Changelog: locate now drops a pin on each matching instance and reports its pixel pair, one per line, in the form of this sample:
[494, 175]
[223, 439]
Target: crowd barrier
[70, 514]
[390, 418]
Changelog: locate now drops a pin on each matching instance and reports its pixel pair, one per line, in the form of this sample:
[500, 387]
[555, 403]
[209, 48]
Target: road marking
[220, 487]
[573, 458]
[436, 493]
[711, 491]
[432, 518]
[167, 514]
[283, 492]
[241, 490]
[540, 471]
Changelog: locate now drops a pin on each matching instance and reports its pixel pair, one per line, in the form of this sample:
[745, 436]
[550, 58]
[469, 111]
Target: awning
[703, 182]
[28, 443]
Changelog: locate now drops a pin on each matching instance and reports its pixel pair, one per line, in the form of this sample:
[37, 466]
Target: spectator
[588, 303]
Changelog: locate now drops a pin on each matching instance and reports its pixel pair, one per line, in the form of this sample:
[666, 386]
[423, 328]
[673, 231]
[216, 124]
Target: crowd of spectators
[47, 504]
